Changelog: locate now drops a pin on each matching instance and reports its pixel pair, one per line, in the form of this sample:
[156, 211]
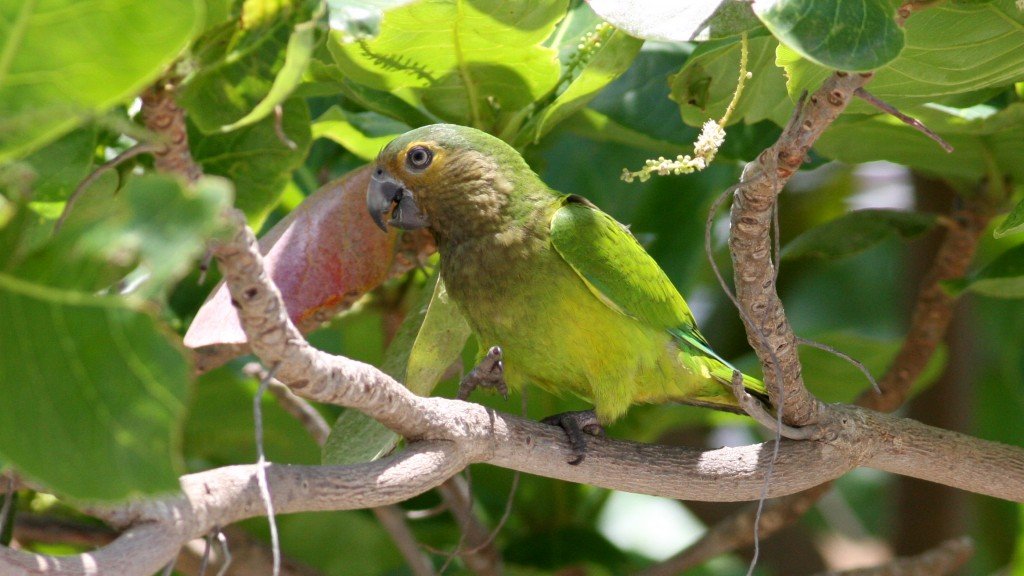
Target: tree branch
[445, 435]
[163, 116]
[768, 329]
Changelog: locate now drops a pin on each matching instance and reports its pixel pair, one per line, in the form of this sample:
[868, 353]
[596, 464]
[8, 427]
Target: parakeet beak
[387, 195]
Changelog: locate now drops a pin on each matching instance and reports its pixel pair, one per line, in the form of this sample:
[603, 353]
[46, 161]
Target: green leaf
[951, 49]
[833, 379]
[850, 35]
[57, 168]
[1003, 277]
[327, 80]
[153, 223]
[984, 139]
[247, 67]
[94, 393]
[56, 60]
[298, 54]
[94, 387]
[363, 134]
[455, 57]
[673, 21]
[429, 341]
[256, 158]
[856, 232]
[705, 85]
[596, 126]
[219, 428]
[438, 344]
[1013, 223]
[611, 59]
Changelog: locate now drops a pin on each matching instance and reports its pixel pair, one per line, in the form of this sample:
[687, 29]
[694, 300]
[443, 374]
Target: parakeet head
[451, 179]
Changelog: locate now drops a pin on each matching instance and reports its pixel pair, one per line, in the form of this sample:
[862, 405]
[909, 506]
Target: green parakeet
[574, 302]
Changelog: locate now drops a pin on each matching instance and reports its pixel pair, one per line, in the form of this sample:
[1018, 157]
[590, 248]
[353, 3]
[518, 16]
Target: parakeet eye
[419, 157]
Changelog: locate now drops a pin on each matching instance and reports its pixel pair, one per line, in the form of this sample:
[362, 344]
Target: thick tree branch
[933, 311]
[163, 116]
[445, 435]
[768, 330]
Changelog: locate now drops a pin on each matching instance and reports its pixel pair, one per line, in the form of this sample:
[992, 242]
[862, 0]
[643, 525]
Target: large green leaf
[93, 390]
[474, 63]
[248, 66]
[429, 341]
[857, 231]
[64, 61]
[94, 387]
[256, 158]
[951, 49]
[857, 35]
[833, 379]
[361, 133]
[153, 224]
[705, 85]
[610, 58]
[57, 168]
[984, 139]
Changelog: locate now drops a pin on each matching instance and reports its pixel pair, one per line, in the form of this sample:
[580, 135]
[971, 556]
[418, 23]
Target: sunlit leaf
[951, 49]
[856, 35]
[610, 59]
[429, 341]
[363, 134]
[706, 84]
[55, 60]
[248, 67]
[472, 63]
[857, 231]
[984, 138]
[153, 223]
[94, 387]
[258, 158]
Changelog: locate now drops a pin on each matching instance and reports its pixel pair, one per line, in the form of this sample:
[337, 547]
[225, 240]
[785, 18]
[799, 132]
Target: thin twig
[908, 120]
[226, 551]
[853, 361]
[136, 150]
[391, 518]
[261, 468]
[279, 128]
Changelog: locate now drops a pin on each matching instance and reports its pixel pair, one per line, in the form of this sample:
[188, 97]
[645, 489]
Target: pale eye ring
[419, 157]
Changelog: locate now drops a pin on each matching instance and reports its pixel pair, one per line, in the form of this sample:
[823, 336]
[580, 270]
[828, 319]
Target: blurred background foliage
[284, 96]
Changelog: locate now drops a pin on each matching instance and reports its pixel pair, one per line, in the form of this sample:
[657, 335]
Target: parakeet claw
[576, 425]
[489, 373]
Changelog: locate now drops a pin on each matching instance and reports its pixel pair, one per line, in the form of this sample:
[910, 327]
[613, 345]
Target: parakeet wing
[615, 267]
[621, 273]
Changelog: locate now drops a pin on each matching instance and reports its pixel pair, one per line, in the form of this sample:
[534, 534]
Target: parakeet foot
[576, 425]
[489, 373]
